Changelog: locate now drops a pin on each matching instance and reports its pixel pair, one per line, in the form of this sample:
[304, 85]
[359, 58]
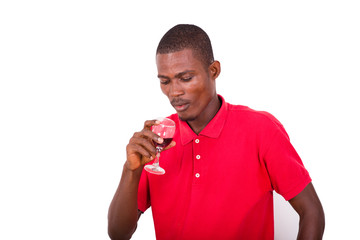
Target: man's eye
[186, 79]
[164, 82]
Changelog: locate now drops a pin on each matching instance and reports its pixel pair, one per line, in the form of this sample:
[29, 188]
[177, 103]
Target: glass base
[154, 169]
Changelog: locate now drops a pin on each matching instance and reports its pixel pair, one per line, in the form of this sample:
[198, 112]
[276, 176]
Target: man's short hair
[187, 36]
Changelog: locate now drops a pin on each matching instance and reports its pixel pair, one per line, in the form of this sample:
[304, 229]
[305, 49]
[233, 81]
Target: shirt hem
[296, 190]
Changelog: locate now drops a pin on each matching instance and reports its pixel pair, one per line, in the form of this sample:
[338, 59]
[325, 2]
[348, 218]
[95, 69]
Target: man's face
[186, 82]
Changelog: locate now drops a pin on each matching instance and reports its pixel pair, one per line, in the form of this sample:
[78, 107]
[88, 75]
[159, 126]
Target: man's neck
[206, 116]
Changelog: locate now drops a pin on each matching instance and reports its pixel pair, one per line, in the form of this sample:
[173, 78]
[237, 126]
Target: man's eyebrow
[162, 76]
[178, 75]
[183, 73]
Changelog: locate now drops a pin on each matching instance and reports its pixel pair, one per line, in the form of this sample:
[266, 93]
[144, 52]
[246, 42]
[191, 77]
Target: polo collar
[212, 130]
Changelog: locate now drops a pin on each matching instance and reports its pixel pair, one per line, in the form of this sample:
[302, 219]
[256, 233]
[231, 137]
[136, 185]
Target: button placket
[197, 159]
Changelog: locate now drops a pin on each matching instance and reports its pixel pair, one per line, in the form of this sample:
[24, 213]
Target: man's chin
[186, 118]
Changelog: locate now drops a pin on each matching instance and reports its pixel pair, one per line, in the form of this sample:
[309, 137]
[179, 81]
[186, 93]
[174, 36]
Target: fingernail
[157, 122]
[160, 140]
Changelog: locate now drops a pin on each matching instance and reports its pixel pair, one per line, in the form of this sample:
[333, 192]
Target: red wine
[166, 142]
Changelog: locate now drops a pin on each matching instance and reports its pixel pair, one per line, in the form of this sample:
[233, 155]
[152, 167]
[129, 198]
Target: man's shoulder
[245, 110]
[251, 114]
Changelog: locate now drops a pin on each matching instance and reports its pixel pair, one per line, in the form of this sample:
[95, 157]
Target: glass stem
[156, 162]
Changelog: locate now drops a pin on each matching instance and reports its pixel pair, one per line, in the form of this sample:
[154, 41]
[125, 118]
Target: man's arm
[123, 212]
[312, 218]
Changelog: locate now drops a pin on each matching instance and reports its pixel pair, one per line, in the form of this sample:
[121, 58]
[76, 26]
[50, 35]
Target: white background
[77, 78]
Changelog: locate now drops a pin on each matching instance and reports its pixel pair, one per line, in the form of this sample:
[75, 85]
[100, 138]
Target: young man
[222, 166]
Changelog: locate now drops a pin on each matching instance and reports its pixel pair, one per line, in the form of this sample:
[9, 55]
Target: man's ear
[215, 69]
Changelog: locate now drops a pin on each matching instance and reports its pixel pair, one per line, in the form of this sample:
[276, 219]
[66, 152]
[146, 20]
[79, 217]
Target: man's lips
[180, 105]
[181, 108]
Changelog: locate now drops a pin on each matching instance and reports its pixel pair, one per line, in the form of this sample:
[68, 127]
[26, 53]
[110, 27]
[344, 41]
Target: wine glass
[166, 130]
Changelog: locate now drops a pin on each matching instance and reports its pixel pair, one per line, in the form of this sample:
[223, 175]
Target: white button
[197, 175]
[197, 140]
[197, 156]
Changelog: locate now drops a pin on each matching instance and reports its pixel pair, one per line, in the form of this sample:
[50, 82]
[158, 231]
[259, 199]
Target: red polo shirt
[219, 184]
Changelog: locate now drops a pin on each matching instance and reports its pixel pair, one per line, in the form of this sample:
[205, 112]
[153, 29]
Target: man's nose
[176, 89]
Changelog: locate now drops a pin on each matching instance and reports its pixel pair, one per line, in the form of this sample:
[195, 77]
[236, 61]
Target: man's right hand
[141, 149]
[123, 211]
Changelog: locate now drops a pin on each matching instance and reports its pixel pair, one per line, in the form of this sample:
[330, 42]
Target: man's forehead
[186, 53]
[179, 60]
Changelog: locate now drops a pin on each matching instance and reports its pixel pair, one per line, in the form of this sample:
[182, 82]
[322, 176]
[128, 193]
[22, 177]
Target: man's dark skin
[190, 87]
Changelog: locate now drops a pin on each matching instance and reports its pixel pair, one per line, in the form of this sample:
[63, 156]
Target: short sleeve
[143, 193]
[286, 170]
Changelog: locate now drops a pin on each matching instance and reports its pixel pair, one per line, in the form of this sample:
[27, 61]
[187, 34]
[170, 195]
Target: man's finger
[141, 150]
[149, 123]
